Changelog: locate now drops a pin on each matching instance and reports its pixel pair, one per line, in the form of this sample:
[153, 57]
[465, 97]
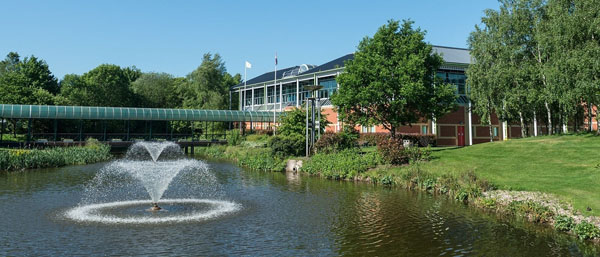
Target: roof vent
[297, 70]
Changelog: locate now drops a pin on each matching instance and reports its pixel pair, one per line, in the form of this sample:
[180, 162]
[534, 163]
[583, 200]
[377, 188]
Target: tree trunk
[490, 125]
[549, 127]
[393, 131]
[522, 124]
[590, 116]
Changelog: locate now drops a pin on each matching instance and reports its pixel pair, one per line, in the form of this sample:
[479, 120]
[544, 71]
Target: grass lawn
[566, 166]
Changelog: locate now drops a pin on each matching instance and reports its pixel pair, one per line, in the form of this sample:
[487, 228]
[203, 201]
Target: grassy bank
[565, 166]
[20, 159]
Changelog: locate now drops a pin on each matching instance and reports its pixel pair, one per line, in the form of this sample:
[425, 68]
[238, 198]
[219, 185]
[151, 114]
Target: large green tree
[105, 85]
[392, 80]
[157, 90]
[27, 81]
[207, 87]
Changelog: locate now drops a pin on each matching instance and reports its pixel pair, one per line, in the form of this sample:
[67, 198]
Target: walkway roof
[125, 113]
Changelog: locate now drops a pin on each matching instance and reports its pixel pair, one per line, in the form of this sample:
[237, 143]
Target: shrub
[294, 122]
[334, 142]
[290, 145]
[392, 151]
[372, 139]
[20, 159]
[257, 137]
[342, 165]
[234, 137]
[586, 230]
[534, 211]
[563, 223]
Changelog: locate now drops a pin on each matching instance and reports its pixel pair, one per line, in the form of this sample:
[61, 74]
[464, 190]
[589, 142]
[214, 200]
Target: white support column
[252, 100]
[505, 130]
[433, 126]
[298, 93]
[470, 124]
[241, 103]
[280, 97]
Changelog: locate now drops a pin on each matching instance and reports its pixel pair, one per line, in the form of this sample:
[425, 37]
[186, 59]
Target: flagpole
[275, 94]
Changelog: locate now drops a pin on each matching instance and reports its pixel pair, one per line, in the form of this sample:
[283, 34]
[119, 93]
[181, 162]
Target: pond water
[280, 215]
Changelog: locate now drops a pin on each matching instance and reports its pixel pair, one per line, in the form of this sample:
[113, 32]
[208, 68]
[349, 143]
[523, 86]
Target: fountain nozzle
[155, 207]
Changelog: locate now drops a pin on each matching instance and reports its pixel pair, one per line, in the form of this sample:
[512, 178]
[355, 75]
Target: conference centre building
[285, 90]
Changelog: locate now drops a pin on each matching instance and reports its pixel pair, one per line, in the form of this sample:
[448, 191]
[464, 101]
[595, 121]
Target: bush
[534, 211]
[290, 145]
[234, 137]
[335, 142]
[342, 165]
[563, 223]
[372, 139]
[392, 151]
[257, 137]
[586, 230]
[19, 159]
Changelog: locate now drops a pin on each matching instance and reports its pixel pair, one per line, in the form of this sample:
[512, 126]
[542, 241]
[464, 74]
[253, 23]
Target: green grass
[566, 166]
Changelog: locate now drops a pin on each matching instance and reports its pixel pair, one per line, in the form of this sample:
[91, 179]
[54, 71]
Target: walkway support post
[104, 130]
[2, 130]
[80, 131]
[127, 135]
[55, 129]
[150, 138]
[28, 131]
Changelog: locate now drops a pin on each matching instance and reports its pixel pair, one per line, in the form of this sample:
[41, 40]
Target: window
[495, 131]
[365, 129]
[329, 87]
[424, 129]
[458, 79]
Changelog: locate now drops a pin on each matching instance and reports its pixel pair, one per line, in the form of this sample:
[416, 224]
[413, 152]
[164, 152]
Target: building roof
[454, 54]
[450, 55]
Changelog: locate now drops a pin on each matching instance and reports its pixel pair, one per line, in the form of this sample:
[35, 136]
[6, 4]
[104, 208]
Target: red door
[461, 135]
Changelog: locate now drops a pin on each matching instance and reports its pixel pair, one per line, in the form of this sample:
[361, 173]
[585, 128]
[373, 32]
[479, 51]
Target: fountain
[151, 167]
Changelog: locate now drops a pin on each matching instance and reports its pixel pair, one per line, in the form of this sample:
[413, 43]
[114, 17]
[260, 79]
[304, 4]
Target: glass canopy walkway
[12, 111]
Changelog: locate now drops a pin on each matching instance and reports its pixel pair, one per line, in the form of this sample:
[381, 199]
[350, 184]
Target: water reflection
[283, 215]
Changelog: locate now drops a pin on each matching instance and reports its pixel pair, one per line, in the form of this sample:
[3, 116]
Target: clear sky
[171, 36]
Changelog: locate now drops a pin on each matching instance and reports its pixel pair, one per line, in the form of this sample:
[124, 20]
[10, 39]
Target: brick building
[285, 90]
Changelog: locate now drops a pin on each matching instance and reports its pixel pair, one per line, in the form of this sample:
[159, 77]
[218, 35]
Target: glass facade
[259, 96]
[457, 79]
[329, 87]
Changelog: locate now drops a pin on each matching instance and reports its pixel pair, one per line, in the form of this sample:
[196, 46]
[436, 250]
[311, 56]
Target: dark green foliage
[12, 160]
[563, 223]
[345, 164]
[334, 142]
[372, 139]
[586, 230]
[288, 145]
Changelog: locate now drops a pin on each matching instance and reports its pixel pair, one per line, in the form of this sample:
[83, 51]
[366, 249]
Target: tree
[205, 87]
[105, 85]
[22, 80]
[157, 90]
[392, 80]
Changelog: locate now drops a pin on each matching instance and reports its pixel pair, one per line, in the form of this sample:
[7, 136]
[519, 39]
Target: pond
[279, 215]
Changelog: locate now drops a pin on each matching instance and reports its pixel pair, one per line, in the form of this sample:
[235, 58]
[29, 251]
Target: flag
[248, 65]
[275, 58]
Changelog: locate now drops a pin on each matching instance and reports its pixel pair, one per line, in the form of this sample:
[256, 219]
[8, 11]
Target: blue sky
[172, 36]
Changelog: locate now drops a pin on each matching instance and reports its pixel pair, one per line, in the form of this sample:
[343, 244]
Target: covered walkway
[72, 124]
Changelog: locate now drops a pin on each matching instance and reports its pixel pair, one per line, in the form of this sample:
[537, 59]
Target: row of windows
[329, 87]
